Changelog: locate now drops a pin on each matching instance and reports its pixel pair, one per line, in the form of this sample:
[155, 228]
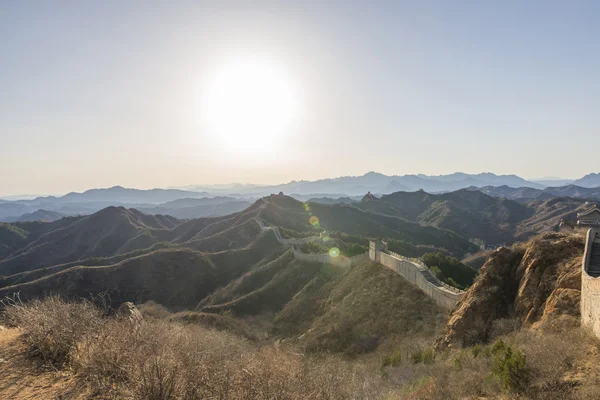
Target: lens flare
[334, 252]
[314, 220]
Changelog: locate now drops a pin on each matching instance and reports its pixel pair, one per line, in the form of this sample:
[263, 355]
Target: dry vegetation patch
[160, 359]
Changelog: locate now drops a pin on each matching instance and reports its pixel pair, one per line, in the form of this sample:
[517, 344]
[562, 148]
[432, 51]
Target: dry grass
[160, 359]
[53, 326]
[559, 364]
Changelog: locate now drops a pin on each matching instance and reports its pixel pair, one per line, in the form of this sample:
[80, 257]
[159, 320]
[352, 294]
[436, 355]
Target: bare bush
[154, 310]
[52, 327]
[158, 359]
[162, 359]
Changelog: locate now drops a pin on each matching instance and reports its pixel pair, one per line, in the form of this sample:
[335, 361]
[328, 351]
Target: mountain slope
[469, 213]
[590, 180]
[197, 210]
[524, 194]
[119, 194]
[99, 235]
[289, 213]
[39, 215]
[176, 277]
[327, 307]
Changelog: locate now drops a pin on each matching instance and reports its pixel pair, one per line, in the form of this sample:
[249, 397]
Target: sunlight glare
[249, 104]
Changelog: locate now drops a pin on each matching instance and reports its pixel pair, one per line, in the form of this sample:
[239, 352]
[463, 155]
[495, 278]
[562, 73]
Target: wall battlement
[417, 273]
[590, 282]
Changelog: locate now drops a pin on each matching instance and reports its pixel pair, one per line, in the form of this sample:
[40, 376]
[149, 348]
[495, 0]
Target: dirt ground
[23, 379]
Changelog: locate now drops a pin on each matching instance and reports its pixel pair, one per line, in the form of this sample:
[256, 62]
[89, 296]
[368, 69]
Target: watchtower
[375, 247]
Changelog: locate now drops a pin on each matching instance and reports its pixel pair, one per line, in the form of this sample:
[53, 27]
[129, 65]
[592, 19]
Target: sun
[249, 105]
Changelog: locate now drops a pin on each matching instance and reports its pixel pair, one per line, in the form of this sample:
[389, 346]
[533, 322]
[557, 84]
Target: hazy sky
[103, 93]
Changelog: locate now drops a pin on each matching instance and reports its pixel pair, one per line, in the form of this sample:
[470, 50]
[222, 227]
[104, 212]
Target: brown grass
[53, 326]
[159, 359]
[559, 364]
[162, 359]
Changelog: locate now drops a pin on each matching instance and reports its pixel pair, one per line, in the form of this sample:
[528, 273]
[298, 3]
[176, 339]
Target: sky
[104, 93]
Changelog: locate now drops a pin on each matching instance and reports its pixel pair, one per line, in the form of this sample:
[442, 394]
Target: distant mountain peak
[368, 197]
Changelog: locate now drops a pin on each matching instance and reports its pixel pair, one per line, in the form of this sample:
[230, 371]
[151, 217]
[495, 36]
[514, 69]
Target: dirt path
[23, 379]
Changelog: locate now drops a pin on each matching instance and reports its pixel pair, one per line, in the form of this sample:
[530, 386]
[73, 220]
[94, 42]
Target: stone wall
[283, 240]
[418, 274]
[590, 287]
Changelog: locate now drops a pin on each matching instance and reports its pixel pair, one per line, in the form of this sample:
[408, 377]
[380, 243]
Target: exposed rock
[535, 283]
[129, 311]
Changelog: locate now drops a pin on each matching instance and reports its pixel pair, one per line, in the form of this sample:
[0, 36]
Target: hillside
[590, 180]
[534, 283]
[188, 208]
[548, 214]
[173, 277]
[473, 214]
[324, 307]
[11, 238]
[525, 194]
[39, 215]
[289, 213]
[108, 232]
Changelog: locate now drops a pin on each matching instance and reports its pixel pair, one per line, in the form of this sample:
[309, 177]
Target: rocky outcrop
[533, 282]
[129, 312]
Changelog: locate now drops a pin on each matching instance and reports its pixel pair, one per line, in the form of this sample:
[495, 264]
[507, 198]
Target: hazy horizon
[158, 94]
[10, 196]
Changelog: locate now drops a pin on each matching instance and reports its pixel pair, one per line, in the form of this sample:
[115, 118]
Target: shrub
[508, 365]
[476, 350]
[160, 359]
[153, 309]
[450, 270]
[416, 356]
[51, 327]
[479, 350]
[428, 356]
[392, 360]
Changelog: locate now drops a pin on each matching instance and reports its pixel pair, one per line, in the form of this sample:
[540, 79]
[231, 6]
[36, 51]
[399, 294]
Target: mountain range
[126, 252]
[525, 194]
[221, 200]
[384, 184]
[177, 203]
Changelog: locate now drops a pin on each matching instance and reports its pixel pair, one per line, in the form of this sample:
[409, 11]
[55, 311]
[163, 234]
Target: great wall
[590, 282]
[413, 270]
[416, 272]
